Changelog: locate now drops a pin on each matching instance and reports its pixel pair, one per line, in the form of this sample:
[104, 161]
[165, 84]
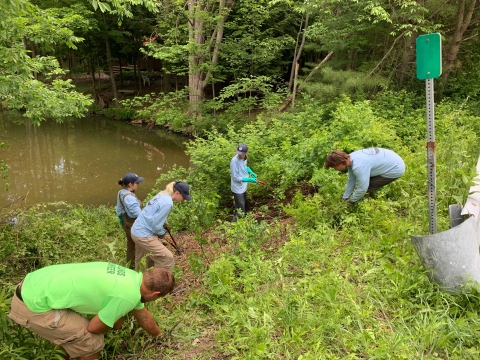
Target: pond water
[81, 160]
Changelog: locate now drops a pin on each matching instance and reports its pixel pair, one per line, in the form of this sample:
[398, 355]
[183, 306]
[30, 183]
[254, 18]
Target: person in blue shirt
[368, 170]
[240, 176]
[128, 209]
[148, 229]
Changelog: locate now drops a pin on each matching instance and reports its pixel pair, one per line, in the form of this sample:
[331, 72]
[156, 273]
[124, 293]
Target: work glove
[252, 180]
[121, 219]
[250, 171]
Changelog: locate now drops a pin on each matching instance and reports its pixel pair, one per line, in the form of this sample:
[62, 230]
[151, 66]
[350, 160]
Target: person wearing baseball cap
[148, 229]
[240, 177]
[128, 209]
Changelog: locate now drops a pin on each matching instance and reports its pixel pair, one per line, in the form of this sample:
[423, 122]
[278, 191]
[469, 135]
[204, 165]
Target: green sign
[429, 56]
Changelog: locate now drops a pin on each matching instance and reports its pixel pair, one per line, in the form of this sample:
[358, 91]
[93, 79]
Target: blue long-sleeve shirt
[130, 202]
[153, 216]
[367, 163]
[238, 171]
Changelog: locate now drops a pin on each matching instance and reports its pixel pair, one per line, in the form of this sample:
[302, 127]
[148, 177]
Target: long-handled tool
[173, 243]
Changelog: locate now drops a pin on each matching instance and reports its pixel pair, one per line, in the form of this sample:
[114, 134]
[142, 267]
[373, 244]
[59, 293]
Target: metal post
[431, 164]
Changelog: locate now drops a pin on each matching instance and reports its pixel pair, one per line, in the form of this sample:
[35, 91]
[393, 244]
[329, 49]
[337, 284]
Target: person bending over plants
[48, 302]
[240, 177]
[368, 170]
[149, 228]
[128, 209]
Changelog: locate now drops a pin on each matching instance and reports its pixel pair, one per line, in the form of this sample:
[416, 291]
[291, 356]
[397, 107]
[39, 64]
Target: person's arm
[97, 326]
[234, 172]
[146, 321]
[352, 179]
[133, 206]
[119, 208]
[363, 180]
[250, 171]
[161, 215]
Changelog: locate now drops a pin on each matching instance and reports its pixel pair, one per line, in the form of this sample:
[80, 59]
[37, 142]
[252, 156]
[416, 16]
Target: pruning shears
[261, 183]
[173, 243]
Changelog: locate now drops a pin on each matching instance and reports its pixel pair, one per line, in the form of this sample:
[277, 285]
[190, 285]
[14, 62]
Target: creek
[80, 161]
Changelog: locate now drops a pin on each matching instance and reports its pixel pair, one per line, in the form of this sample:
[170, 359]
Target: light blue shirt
[131, 203]
[367, 163]
[238, 171]
[153, 216]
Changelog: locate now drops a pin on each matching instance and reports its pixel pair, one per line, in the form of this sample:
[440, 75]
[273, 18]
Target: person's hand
[165, 225]
[121, 219]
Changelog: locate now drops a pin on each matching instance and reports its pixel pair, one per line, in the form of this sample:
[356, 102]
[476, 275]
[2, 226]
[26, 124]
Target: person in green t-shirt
[48, 302]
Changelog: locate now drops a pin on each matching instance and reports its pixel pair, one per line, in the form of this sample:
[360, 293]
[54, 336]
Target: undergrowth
[335, 282]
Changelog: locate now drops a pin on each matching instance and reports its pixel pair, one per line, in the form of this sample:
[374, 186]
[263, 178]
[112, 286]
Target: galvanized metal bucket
[451, 257]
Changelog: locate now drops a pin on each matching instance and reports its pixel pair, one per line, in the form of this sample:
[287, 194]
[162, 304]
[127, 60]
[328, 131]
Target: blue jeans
[240, 204]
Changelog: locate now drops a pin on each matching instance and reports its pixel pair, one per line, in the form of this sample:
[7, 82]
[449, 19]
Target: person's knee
[85, 345]
[169, 261]
[165, 261]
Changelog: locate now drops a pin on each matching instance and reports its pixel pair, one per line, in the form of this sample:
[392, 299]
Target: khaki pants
[65, 328]
[161, 256]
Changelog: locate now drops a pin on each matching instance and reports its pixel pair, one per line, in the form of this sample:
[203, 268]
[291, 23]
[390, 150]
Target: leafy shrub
[120, 113]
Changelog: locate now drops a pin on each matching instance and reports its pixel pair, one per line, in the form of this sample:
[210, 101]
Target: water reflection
[80, 161]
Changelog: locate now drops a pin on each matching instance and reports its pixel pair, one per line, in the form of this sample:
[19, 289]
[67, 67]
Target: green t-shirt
[102, 288]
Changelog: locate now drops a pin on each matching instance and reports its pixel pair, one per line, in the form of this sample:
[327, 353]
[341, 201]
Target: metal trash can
[451, 257]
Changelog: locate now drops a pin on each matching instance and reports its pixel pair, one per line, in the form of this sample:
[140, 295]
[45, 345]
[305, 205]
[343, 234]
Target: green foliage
[19, 88]
[122, 8]
[329, 84]
[328, 282]
[255, 93]
[44, 236]
[163, 108]
[126, 113]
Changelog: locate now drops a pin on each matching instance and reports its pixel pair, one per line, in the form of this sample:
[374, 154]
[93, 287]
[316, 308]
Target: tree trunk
[92, 66]
[70, 63]
[195, 76]
[464, 17]
[295, 90]
[34, 55]
[298, 53]
[198, 79]
[109, 62]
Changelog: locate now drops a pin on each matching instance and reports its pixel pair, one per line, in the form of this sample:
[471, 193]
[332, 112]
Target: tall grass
[334, 283]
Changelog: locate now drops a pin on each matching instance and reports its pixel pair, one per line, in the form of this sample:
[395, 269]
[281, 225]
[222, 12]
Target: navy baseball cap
[242, 149]
[132, 178]
[183, 188]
